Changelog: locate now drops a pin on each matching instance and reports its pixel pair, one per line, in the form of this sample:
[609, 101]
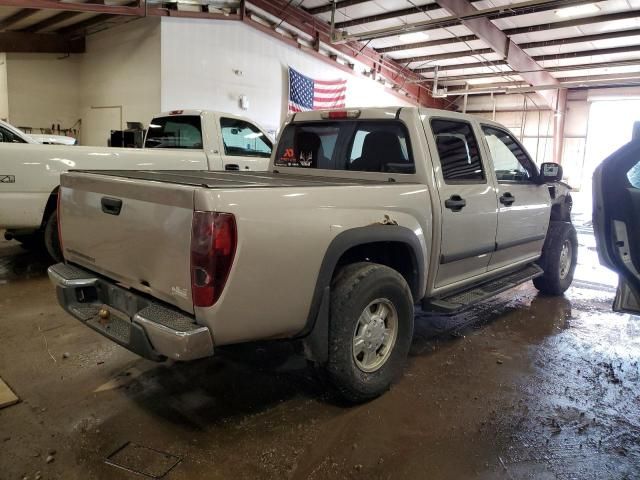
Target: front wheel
[559, 259]
[370, 330]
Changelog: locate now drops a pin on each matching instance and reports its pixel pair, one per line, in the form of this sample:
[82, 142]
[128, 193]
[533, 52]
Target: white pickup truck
[362, 215]
[177, 140]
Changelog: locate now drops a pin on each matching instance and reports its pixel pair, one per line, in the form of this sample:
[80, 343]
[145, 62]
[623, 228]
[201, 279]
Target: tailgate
[135, 232]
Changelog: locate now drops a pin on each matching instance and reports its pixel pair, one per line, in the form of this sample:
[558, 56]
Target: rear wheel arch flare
[359, 238]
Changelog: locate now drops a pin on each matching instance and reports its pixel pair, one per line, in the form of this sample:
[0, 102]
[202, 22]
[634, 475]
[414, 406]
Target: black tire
[353, 290]
[33, 241]
[51, 240]
[555, 281]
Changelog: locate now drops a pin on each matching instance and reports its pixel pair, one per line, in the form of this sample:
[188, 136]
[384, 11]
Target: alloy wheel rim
[375, 335]
[565, 259]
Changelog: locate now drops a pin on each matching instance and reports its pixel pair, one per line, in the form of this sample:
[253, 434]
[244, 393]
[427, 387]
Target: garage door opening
[611, 124]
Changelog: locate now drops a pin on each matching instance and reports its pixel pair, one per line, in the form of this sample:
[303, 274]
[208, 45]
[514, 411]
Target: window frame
[266, 139]
[534, 172]
[485, 179]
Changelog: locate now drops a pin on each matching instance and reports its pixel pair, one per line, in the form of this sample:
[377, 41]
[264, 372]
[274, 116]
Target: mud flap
[316, 344]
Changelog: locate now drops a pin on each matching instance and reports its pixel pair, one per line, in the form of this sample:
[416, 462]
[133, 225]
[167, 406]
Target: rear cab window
[354, 145]
[178, 131]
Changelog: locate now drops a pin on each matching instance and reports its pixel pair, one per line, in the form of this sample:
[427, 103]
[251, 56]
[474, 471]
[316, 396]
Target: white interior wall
[42, 90]
[119, 79]
[199, 60]
[4, 92]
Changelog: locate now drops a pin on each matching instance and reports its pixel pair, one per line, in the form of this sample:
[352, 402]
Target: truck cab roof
[201, 112]
[379, 113]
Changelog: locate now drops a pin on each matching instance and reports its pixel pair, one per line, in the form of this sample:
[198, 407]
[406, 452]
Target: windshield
[180, 131]
[363, 146]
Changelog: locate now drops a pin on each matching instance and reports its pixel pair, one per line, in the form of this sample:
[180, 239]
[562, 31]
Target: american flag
[308, 94]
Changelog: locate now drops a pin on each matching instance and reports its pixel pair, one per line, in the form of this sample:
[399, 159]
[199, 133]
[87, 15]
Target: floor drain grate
[143, 460]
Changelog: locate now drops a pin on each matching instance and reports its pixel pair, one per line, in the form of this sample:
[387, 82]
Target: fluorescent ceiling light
[413, 37]
[253, 135]
[578, 10]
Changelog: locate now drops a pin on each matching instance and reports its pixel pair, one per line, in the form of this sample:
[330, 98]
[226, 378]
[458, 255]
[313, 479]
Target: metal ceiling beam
[81, 27]
[576, 79]
[449, 56]
[460, 66]
[75, 7]
[505, 47]
[169, 12]
[493, 13]
[546, 43]
[587, 53]
[446, 56]
[47, 22]
[563, 68]
[570, 82]
[17, 17]
[516, 31]
[582, 38]
[339, 4]
[575, 22]
[23, 42]
[387, 15]
[427, 43]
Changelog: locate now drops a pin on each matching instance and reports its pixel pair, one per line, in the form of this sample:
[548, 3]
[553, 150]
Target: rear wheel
[558, 260]
[51, 239]
[370, 330]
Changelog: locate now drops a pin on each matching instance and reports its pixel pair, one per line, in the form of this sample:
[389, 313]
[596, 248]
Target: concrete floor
[524, 386]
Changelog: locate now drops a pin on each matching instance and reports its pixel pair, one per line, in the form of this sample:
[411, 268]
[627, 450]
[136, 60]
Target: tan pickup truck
[362, 215]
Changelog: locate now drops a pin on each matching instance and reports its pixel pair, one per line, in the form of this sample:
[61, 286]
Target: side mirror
[550, 172]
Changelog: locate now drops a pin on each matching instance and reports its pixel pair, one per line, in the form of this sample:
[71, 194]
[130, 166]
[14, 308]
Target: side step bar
[455, 303]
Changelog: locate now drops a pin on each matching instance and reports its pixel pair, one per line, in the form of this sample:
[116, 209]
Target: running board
[460, 301]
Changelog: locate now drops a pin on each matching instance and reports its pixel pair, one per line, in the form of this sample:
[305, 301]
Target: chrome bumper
[143, 326]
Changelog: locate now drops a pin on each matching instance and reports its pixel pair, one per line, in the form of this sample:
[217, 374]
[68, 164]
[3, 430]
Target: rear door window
[458, 151]
[243, 139]
[180, 131]
[364, 146]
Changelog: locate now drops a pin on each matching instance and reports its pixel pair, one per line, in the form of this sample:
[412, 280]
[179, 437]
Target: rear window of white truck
[180, 131]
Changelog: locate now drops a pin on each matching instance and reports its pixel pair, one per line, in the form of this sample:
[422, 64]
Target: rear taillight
[58, 218]
[213, 246]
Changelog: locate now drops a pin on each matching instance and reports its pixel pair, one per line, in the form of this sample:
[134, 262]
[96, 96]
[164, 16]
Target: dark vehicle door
[616, 221]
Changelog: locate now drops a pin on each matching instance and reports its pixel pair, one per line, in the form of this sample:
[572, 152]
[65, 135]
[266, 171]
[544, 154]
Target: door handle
[455, 203]
[507, 199]
[111, 206]
[232, 166]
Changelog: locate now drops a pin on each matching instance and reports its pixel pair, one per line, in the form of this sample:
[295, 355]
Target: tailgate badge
[179, 292]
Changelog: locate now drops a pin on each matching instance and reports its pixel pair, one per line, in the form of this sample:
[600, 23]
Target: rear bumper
[141, 325]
